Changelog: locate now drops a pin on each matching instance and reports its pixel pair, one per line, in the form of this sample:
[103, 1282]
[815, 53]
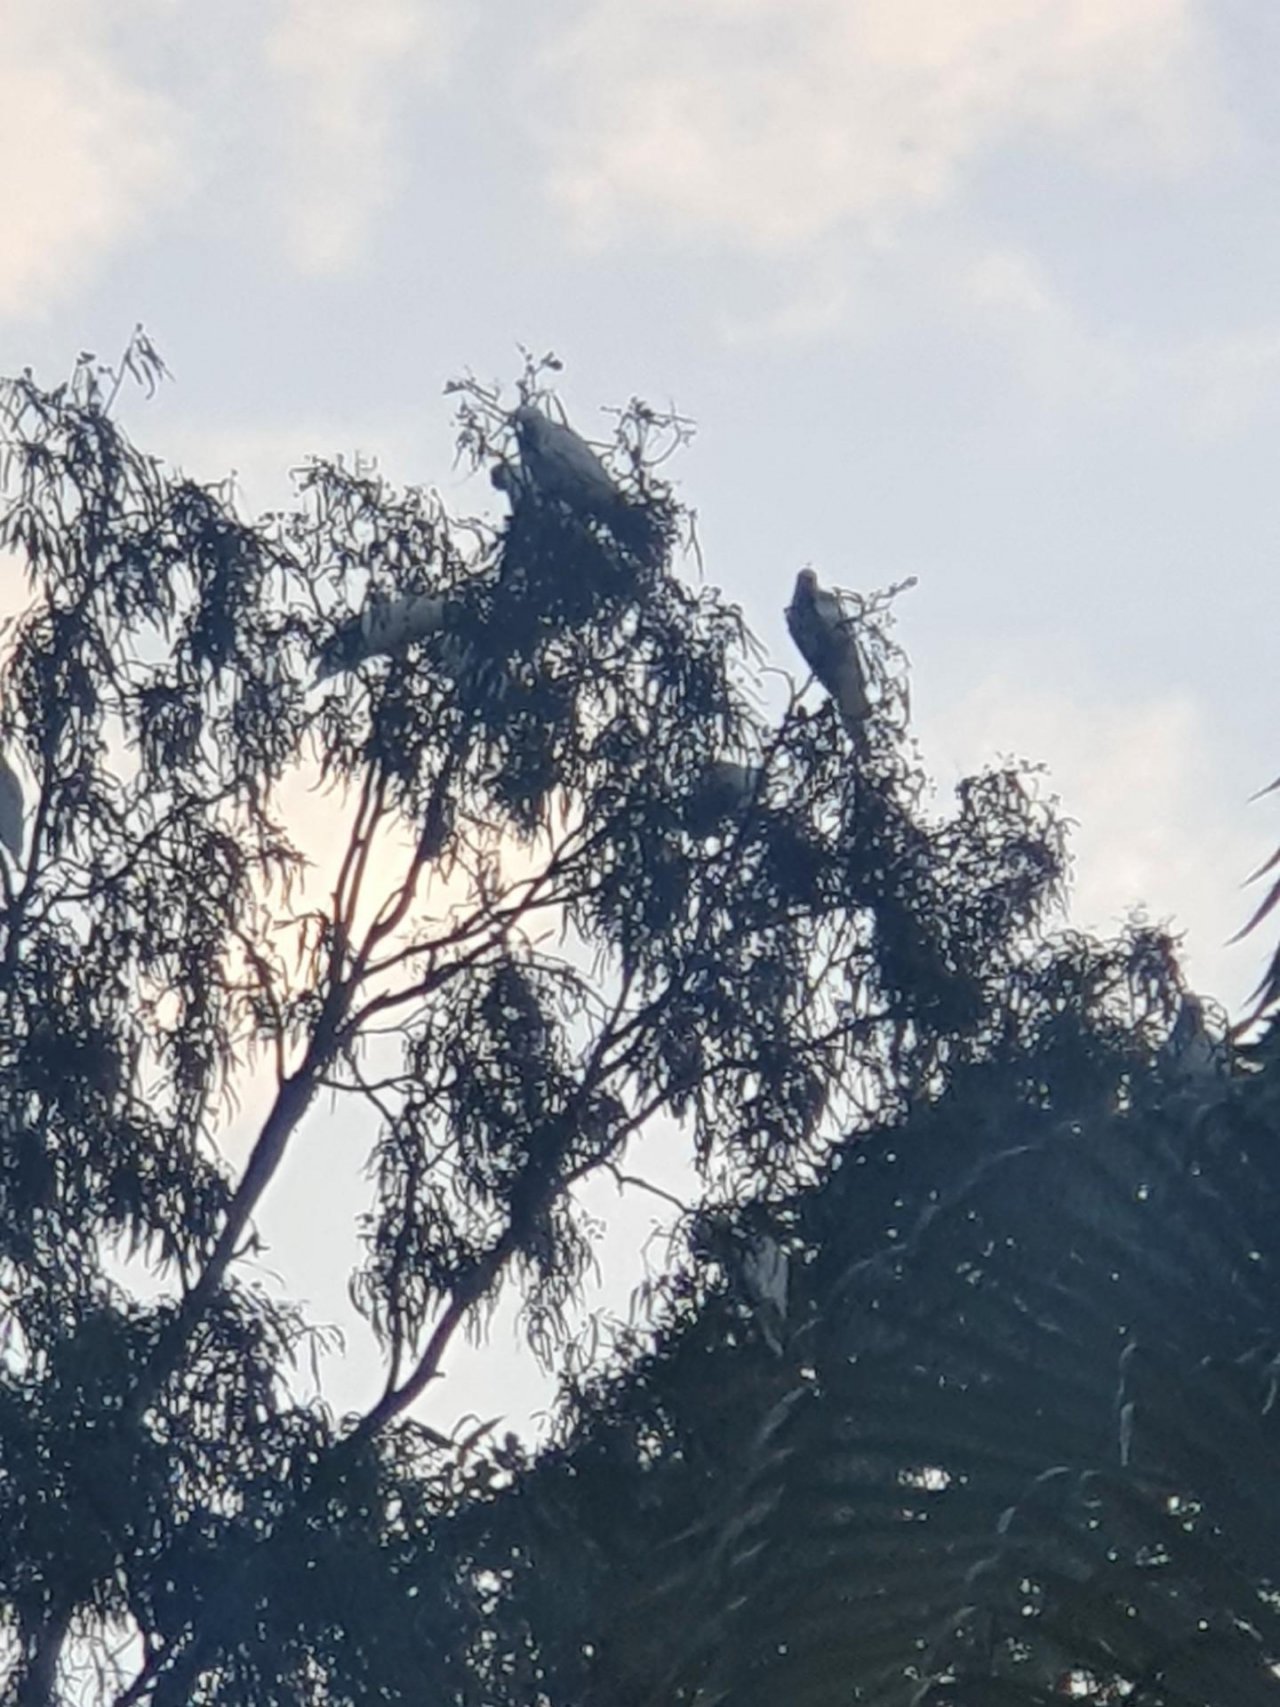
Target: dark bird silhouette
[1189, 1052]
[824, 636]
[562, 465]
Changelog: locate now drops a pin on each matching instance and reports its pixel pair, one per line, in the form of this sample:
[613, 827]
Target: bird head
[528, 423]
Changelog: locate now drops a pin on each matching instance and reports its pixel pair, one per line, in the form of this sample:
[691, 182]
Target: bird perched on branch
[824, 636]
[11, 809]
[557, 466]
[1189, 1051]
[562, 465]
[765, 1272]
[383, 626]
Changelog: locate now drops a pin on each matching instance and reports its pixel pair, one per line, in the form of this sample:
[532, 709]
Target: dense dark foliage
[1021, 1443]
[843, 996]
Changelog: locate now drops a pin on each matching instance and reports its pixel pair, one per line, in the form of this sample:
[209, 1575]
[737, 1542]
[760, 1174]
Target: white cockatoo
[824, 635]
[383, 626]
[562, 465]
[766, 1277]
[724, 789]
[11, 809]
[1189, 1052]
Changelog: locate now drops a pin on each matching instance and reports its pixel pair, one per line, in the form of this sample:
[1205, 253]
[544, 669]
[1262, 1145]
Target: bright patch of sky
[983, 291]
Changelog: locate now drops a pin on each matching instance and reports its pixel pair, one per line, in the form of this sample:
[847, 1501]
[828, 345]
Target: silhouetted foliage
[1020, 1443]
[1267, 994]
[527, 928]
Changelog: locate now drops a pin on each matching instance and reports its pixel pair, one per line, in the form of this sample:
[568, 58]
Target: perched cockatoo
[1189, 1051]
[383, 626]
[11, 809]
[562, 465]
[766, 1274]
[724, 789]
[824, 636]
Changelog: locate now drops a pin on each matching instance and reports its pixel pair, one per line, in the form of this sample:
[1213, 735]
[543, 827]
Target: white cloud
[1214, 385]
[1057, 354]
[89, 154]
[1155, 825]
[1225, 380]
[348, 71]
[824, 305]
[768, 123]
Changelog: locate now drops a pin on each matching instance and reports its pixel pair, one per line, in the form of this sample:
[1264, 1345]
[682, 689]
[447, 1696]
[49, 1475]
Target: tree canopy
[580, 874]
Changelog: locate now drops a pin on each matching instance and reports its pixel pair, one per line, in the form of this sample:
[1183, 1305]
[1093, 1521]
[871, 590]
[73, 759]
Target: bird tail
[851, 693]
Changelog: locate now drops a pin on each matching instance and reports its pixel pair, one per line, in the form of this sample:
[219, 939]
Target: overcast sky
[982, 291]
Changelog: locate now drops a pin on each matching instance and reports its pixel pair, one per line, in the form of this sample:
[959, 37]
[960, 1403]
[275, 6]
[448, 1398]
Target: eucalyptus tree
[546, 921]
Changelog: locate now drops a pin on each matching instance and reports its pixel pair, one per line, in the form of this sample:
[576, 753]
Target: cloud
[90, 154]
[824, 305]
[1226, 380]
[1056, 353]
[1214, 385]
[406, 444]
[348, 72]
[261, 455]
[1156, 826]
[769, 123]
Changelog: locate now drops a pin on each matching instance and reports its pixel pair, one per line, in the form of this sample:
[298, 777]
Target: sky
[981, 291]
